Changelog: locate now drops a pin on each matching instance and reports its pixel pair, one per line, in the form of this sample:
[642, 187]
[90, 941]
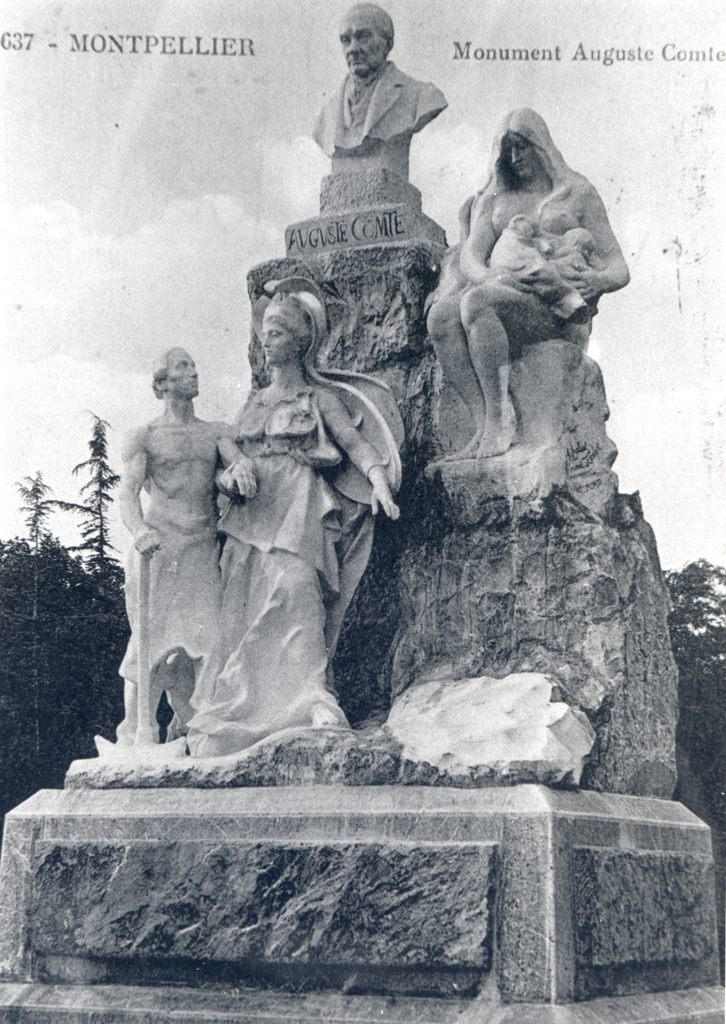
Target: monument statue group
[432, 760]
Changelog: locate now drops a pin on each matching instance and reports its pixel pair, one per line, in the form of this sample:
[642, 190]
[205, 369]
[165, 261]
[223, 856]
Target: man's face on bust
[364, 48]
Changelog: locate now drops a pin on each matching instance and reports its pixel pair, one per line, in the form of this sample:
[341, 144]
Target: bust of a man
[370, 120]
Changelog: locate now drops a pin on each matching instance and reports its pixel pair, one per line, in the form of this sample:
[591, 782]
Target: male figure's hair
[161, 369]
[380, 19]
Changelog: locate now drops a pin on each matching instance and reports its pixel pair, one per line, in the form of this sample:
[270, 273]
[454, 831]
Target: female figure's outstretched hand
[382, 496]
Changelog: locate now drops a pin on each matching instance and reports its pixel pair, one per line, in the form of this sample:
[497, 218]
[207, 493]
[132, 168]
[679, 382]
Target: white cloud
[122, 298]
[291, 173]
[448, 164]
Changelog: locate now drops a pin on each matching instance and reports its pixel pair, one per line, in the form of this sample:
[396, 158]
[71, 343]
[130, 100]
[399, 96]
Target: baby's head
[523, 226]
[581, 239]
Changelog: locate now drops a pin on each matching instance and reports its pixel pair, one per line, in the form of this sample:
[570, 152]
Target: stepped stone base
[459, 900]
[126, 1004]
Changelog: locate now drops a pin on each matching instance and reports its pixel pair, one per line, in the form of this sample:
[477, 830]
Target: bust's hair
[380, 19]
[161, 369]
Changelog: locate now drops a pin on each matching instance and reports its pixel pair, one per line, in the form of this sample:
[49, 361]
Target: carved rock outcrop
[549, 586]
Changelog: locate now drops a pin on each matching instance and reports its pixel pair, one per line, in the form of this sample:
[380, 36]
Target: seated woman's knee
[443, 316]
[479, 304]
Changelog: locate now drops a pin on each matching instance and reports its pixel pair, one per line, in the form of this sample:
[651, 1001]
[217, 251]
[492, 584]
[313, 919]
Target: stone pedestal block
[136, 1004]
[447, 898]
[357, 190]
[361, 208]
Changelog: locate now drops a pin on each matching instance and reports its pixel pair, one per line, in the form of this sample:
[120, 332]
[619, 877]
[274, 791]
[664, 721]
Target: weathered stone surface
[375, 296]
[523, 472]
[19, 837]
[532, 966]
[292, 757]
[642, 919]
[671, 885]
[550, 586]
[132, 1004]
[369, 904]
[507, 725]
[358, 190]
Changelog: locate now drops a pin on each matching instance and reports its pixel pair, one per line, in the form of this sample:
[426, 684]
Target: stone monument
[366, 130]
[430, 765]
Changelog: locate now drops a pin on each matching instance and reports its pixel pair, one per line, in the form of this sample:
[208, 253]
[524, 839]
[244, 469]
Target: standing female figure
[295, 545]
[485, 310]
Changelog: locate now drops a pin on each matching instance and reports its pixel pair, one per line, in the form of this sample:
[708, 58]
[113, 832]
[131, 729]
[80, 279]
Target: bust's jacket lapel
[386, 93]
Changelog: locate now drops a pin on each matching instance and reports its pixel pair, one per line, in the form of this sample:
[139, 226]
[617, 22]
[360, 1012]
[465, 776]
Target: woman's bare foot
[495, 443]
[467, 452]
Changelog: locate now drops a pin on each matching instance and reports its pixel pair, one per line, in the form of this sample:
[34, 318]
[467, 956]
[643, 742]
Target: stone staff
[144, 732]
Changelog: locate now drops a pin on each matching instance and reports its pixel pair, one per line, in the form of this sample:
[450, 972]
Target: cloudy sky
[139, 189]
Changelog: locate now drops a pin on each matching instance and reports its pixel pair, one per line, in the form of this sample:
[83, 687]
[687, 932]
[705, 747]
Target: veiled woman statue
[320, 456]
[536, 253]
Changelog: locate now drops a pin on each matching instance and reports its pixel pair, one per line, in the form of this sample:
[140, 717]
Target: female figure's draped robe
[269, 669]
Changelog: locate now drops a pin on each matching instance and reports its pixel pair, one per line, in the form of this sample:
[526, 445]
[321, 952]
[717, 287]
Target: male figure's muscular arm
[134, 456]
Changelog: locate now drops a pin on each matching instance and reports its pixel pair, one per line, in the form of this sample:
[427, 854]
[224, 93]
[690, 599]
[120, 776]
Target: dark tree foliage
[698, 635]
[37, 507]
[63, 632]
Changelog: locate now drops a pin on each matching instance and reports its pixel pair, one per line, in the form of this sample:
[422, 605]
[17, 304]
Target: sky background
[138, 190]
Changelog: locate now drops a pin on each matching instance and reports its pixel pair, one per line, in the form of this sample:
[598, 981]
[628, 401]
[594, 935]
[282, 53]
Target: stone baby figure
[531, 261]
[174, 459]
[370, 120]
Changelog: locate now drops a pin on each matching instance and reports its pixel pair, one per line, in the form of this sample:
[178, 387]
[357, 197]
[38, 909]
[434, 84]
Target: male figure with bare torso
[174, 458]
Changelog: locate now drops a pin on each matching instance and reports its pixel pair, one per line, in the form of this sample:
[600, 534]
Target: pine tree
[37, 507]
[94, 519]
